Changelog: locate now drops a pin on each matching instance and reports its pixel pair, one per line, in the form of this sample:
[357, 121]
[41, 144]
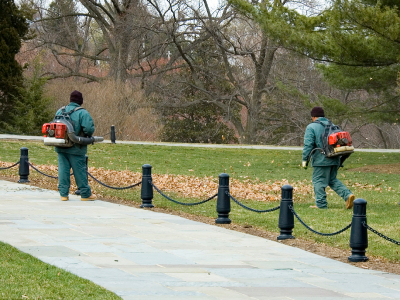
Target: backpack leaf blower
[60, 132]
[335, 142]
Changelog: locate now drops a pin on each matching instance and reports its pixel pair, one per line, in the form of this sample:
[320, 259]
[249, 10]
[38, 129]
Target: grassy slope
[24, 277]
[383, 209]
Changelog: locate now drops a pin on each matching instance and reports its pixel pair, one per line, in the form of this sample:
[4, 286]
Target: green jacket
[83, 123]
[312, 140]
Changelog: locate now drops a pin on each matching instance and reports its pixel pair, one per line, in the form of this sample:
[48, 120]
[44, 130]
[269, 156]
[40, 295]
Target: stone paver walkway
[140, 254]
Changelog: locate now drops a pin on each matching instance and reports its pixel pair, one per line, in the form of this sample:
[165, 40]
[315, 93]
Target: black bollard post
[359, 233]
[78, 191]
[286, 218]
[223, 200]
[112, 134]
[147, 188]
[23, 166]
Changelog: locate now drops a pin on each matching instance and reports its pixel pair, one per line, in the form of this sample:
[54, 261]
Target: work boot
[64, 198]
[90, 198]
[314, 206]
[349, 201]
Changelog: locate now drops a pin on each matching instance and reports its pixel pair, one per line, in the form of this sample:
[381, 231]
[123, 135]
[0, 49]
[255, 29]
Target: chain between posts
[380, 234]
[113, 187]
[312, 230]
[37, 170]
[5, 168]
[182, 203]
[251, 209]
[51, 176]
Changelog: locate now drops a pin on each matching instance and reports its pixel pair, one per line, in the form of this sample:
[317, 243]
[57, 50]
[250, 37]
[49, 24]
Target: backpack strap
[66, 115]
[319, 122]
[73, 110]
[63, 112]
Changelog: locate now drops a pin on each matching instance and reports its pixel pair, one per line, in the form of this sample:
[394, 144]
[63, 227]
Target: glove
[304, 164]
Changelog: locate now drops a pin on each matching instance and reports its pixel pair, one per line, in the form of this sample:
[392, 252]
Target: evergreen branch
[341, 63]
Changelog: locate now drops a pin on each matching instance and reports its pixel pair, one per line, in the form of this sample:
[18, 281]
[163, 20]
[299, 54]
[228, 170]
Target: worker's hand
[304, 164]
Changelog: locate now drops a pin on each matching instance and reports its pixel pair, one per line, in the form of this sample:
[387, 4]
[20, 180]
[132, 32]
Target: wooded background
[189, 71]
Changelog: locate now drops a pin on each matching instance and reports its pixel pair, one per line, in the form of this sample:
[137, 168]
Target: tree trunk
[262, 70]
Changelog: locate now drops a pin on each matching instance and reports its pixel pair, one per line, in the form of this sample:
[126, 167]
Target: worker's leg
[320, 180]
[64, 180]
[336, 185]
[78, 163]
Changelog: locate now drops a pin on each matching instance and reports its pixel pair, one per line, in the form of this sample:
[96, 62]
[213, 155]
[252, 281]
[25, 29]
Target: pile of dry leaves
[191, 186]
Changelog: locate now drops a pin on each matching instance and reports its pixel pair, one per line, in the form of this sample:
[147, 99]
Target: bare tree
[120, 23]
[235, 74]
[107, 31]
[185, 55]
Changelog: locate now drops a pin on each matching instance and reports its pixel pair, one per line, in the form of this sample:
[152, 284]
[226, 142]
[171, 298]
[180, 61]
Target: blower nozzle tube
[80, 139]
[84, 140]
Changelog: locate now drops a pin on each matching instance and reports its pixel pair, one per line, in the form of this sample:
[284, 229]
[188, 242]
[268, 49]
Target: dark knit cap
[76, 97]
[317, 112]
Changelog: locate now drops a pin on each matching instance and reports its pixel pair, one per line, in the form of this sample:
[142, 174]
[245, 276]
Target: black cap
[76, 97]
[317, 112]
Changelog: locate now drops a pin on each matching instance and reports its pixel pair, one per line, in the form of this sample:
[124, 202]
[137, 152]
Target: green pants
[67, 161]
[326, 176]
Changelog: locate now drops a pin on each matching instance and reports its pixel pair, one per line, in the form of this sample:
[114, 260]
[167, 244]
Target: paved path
[140, 254]
[192, 145]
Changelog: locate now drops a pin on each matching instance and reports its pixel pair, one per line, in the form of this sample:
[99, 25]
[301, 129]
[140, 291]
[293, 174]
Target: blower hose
[80, 139]
[311, 153]
[84, 140]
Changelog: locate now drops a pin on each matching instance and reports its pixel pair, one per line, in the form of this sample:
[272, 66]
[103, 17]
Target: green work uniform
[324, 168]
[74, 157]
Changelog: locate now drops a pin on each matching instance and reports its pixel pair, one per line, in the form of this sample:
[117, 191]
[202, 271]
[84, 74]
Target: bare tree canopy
[188, 56]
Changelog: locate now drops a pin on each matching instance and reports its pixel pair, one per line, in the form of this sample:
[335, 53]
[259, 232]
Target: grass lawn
[381, 190]
[24, 277]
